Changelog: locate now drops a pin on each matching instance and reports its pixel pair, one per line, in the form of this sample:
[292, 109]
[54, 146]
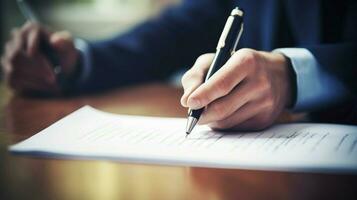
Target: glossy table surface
[24, 177]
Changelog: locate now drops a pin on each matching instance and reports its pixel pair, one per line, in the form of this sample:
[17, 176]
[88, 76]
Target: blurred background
[88, 19]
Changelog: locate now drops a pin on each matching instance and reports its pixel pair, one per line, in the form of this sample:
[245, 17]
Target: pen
[45, 47]
[226, 47]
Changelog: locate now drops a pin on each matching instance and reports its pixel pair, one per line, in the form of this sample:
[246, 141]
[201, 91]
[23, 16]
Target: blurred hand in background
[25, 67]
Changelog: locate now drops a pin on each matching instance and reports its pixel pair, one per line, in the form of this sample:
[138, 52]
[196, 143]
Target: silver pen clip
[227, 28]
[233, 50]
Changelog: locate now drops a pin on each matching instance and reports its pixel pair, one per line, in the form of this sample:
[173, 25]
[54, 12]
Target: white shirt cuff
[316, 88]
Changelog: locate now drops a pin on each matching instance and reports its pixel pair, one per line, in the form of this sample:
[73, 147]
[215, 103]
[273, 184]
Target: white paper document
[92, 134]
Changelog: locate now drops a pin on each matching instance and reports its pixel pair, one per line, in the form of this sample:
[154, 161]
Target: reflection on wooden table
[37, 178]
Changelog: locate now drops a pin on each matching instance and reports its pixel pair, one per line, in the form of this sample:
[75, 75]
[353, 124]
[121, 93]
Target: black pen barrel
[226, 47]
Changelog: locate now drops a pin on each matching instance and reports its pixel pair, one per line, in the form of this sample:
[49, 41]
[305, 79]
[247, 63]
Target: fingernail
[193, 103]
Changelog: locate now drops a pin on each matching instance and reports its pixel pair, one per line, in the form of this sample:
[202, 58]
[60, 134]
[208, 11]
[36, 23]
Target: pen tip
[191, 123]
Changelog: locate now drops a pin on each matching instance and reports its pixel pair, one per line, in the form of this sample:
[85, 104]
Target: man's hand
[247, 93]
[26, 68]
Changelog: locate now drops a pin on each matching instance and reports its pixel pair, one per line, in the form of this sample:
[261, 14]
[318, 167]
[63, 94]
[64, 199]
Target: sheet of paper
[92, 134]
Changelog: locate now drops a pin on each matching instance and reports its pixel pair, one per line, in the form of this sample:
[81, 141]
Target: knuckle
[250, 60]
[249, 57]
[245, 50]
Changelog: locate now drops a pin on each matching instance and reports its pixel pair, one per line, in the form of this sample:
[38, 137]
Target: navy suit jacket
[173, 40]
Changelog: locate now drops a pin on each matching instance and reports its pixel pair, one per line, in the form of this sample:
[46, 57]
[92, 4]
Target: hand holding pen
[243, 90]
[37, 60]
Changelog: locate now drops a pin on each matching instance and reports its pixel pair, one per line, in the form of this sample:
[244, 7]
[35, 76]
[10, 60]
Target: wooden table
[24, 177]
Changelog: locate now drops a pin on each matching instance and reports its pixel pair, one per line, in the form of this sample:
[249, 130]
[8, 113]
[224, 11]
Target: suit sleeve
[340, 60]
[340, 57]
[158, 47]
